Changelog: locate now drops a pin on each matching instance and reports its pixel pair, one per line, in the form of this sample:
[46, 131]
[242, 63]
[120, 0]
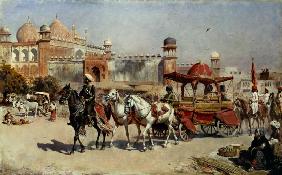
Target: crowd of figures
[268, 108]
[85, 110]
[265, 151]
[30, 105]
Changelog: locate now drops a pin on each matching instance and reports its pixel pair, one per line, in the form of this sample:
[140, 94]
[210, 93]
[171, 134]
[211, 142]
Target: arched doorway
[96, 72]
[79, 54]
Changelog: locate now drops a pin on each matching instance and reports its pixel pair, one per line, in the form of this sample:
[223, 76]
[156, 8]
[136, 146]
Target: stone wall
[66, 71]
[136, 69]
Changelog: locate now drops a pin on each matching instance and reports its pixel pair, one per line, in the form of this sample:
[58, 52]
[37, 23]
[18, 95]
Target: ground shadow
[122, 144]
[55, 146]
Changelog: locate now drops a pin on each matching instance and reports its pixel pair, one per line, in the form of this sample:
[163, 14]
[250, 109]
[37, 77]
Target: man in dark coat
[169, 97]
[88, 93]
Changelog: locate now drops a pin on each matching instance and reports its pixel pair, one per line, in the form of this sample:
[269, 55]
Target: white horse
[144, 113]
[27, 106]
[119, 116]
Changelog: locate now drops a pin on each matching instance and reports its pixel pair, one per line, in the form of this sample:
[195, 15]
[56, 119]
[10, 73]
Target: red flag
[253, 73]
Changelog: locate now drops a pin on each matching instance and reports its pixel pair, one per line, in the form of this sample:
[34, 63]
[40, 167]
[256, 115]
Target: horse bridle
[65, 98]
[139, 109]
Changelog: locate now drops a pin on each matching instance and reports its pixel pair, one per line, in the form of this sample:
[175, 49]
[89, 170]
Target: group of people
[255, 99]
[260, 155]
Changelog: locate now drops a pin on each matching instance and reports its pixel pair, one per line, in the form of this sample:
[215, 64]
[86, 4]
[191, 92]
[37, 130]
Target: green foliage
[11, 81]
[46, 84]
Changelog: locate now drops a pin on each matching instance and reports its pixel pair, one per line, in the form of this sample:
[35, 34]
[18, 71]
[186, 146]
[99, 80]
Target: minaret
[108, 48]
[215, 64]
[44, 47]
[169, 56]
[4, 34]
[73, 30]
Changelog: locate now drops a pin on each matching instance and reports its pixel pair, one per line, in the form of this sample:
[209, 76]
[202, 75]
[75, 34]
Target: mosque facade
[65, 54]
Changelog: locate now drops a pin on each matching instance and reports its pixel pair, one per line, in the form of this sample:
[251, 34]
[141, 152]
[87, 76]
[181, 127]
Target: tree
[11, 81]
[46, 84]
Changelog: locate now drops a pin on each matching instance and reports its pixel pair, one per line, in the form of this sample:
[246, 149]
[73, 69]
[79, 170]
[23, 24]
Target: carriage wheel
[160, 133]
[227, 131]
[209, 130]
[185, 134]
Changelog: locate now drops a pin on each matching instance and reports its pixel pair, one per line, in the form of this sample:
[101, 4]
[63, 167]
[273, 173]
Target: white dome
[215, 55]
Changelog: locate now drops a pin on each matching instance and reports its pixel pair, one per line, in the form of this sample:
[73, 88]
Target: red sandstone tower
[169, 56]
[44, 47]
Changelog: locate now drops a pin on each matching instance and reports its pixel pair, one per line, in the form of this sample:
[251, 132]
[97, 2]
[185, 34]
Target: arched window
[16, 54]
[25, 57]
[79, 54]
[34, 55]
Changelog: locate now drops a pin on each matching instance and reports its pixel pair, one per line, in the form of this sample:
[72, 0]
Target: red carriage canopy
[182, 78]
[200, 70]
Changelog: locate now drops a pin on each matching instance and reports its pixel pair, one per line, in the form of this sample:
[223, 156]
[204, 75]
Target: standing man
[266, 100]
[266, 97]
[53, 110]
[88, 93]
[254, 100]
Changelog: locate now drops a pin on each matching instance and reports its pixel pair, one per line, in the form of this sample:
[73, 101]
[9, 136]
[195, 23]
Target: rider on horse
[254, 100]
[88, 93]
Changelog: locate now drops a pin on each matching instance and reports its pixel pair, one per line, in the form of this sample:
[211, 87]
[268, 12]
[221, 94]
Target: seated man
[169, 97]
[259, 155]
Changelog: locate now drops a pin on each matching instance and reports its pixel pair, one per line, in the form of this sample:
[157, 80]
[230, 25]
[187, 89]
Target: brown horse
[244, 112]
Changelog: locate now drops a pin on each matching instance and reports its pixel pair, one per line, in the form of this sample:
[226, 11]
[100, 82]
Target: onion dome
[201, 70]
[4, 31]
[58, 29]
[27, 33]
[44, 28]
[169, 41]
[215, 55]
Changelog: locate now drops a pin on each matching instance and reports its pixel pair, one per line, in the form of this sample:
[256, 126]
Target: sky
[239, 30]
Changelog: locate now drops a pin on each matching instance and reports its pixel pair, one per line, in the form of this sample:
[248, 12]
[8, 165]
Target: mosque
[67, 55]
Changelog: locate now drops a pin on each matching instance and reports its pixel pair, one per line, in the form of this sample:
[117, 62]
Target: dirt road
[42, 146]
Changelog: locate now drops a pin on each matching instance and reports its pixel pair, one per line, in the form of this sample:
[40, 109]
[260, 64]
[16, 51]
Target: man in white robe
[254, 100]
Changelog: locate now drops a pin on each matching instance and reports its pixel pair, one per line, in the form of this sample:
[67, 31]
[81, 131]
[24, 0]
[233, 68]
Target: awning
[182, 78]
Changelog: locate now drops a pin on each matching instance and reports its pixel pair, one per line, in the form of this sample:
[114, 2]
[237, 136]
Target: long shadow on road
[55, 146]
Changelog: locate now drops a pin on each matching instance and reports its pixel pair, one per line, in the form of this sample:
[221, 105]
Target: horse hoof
[135, 144]
[145, 149]
[72, 152]
[165, 145]
[102, 148]
[128, 145]
[176, 143]
[82, 150]
[111, 145]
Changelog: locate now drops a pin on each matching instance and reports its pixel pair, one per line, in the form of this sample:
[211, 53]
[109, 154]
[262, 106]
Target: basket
[228, 151]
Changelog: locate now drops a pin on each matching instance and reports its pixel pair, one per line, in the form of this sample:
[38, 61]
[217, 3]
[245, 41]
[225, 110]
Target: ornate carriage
[213, 112]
